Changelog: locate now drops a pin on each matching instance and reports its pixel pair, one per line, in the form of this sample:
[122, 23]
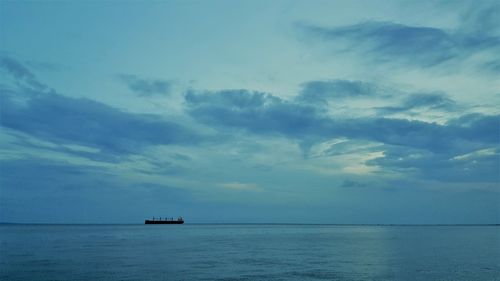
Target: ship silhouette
[179, 220]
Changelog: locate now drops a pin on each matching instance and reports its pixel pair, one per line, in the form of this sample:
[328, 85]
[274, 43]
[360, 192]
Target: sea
[249, 252]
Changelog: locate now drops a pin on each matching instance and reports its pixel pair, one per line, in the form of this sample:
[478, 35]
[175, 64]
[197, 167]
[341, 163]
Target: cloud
[240, 186]
[475, 126]
[326, 90]
[434, 101]
[85, 122]
[492, 66]
[241, 98]
[410, 45]
[330, 92]
[481, 17]
[266, 115]
[79, 126]
[78, 121]
[350, 146]
[23, 76]
[442, 166]
[252, 111]
[415, 149]
[145, 87]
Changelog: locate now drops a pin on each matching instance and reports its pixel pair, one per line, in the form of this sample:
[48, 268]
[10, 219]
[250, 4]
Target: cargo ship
[179, 220]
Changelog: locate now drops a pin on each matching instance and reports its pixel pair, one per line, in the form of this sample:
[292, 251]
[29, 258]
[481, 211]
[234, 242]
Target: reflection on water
[248, 252]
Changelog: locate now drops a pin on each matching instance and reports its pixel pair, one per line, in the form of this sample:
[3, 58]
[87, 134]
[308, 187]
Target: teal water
[249, 252]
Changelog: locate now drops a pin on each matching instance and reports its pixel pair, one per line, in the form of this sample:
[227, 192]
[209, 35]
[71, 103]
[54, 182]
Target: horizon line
[268, 223]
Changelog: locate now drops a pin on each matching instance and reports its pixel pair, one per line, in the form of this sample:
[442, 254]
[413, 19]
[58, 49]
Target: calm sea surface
[249, 252]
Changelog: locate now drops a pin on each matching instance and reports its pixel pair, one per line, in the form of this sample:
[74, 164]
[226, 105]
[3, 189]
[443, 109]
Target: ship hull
[162, 222]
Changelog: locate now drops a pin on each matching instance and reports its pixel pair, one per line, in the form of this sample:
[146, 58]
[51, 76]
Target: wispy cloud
[422, 46]
[240, 186]
[433, 101]
[146, 87]
[326, 90]
[78, 121]
[22, 75]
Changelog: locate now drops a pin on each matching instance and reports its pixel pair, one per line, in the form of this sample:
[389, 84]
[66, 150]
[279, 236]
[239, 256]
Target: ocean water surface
[248, 252]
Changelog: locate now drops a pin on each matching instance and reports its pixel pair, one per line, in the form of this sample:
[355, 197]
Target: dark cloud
[145, 87]
[466, 149]
[23, 76]
[323, 91]
[438, 101]
[422, 45]
[410, 146]
[253, 111]
[413, 45]
[61, 119]
[432, 100]
[443, 166]
[263, 114]
[478, 127]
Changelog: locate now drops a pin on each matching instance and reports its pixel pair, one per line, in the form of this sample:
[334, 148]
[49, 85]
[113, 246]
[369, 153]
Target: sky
[344, 112]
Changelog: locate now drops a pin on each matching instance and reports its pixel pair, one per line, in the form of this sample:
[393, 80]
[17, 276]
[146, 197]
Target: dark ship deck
[180, 220]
